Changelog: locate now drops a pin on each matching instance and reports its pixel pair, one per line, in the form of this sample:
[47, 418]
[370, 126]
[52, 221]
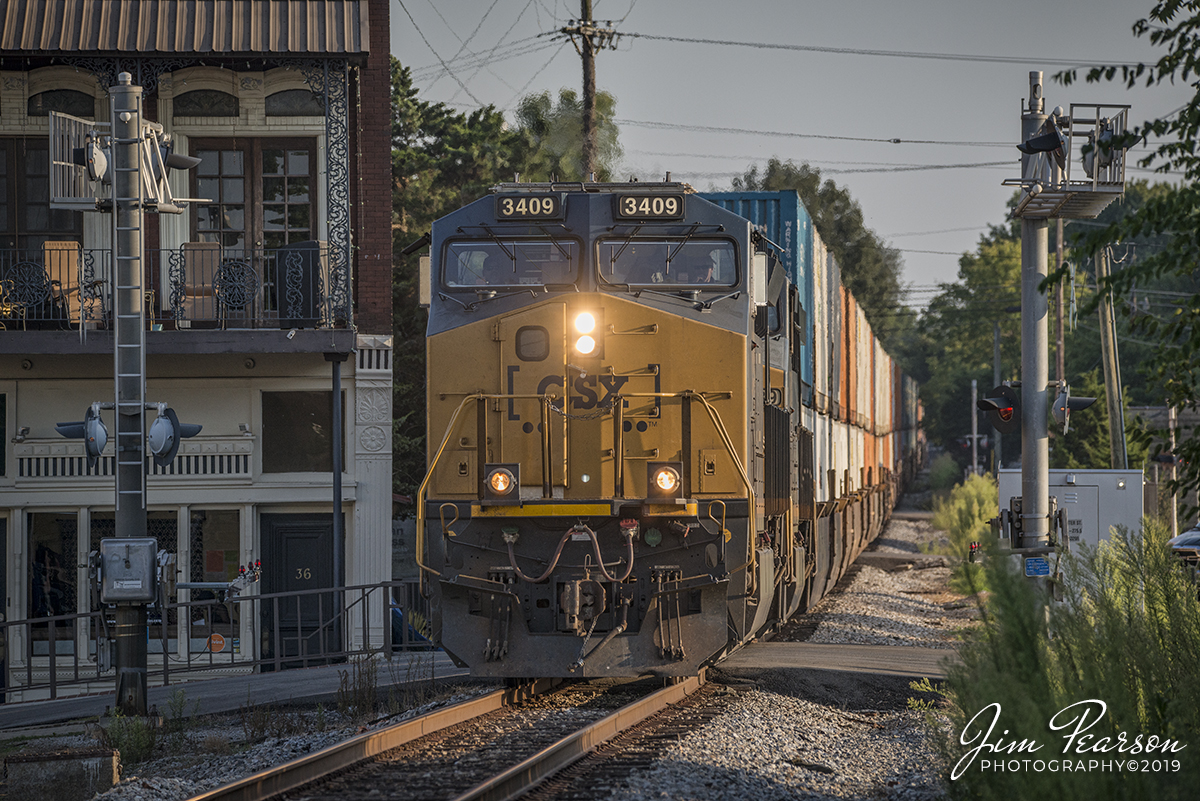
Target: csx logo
[587, 391]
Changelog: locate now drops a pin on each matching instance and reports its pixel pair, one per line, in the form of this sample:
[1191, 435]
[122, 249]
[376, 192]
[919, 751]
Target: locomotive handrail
[422, 490]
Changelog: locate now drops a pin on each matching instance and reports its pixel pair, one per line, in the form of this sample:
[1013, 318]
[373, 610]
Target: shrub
[134, 737]
[1126, 635]
[964, 516]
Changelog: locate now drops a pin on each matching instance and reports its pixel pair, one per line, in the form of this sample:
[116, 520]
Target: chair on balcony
[196, 302]
[74, 296]
[235, 286]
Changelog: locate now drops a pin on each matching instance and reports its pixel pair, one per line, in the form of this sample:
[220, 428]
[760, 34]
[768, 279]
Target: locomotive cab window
[677, 262]
[509, 263]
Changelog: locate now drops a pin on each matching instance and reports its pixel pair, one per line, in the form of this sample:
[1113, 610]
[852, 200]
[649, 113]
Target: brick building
[260, 299]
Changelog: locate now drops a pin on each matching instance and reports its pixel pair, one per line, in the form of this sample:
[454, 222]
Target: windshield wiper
[679, 247]
[473, 305]
[496, 239]
[706, 305]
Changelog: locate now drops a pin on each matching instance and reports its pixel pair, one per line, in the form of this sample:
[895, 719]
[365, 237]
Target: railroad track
[495, 747]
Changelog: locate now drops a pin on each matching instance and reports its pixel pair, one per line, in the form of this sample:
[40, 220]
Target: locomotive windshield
[678, 262]
[509, 263]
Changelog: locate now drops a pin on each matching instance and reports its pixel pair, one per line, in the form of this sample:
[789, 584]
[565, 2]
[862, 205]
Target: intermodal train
[658, 426]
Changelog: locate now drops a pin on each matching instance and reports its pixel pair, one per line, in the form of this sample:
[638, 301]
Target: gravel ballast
[788, 734]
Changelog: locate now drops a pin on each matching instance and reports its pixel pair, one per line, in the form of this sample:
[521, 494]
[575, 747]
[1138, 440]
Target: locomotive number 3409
[642, 206]
[528, 206]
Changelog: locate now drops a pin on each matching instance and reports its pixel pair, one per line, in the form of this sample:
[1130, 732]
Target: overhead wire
[858, 51]
[435, 53]
[796, 135]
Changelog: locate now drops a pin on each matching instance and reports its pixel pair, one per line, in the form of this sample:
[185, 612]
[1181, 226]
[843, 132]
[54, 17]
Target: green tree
[441, 160]
[956, 335]
[1170, 213]
[870, 269]
[554, 136]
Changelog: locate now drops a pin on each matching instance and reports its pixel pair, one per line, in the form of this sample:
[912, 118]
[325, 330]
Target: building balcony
[200, 297]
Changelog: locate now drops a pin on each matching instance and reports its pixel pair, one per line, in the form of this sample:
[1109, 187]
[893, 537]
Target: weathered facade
[271, 292]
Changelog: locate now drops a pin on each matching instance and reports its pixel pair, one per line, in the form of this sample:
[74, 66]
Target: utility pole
[1112, 367]
[1060, 356]
[1035, 436]
[1172, 421]
[974, 428]
[998, 449]
[590, 39]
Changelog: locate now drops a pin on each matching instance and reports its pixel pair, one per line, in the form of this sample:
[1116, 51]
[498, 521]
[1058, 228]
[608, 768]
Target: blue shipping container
[782, 219]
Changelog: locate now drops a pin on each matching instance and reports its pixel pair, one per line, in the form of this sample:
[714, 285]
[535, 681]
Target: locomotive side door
[533, 361]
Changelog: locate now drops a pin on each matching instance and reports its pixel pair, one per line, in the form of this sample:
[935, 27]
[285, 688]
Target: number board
[529, 207]
[641, 207]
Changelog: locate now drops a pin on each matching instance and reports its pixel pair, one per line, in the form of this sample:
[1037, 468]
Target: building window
[297, 432]
[215, 536]
[26, 219]
[294, 103]
[205, 103]
[53, 539]
[65, 101]
[262, 192]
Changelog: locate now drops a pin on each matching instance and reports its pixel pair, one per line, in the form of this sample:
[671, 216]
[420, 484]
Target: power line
[941, 231]
[435, 53]
[521, 91]
[854, 51]
[794, 135]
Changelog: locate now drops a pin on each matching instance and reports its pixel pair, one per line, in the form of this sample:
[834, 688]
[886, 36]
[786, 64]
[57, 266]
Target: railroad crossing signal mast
[123, 172]
[1049, 191]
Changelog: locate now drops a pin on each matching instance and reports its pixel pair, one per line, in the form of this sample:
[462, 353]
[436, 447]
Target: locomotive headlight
[585, 323]
[502, 483]
[664, 481]
[586, 327]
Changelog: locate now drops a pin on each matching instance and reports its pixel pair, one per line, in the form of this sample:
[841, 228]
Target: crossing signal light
[1003, 407]
[165, 433]
[1064, 404]
[91, 430]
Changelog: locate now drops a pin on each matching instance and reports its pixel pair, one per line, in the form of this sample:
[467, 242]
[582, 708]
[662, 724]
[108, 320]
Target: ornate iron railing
[201, 285]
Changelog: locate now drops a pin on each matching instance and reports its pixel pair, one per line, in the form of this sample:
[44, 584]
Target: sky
[805, 105]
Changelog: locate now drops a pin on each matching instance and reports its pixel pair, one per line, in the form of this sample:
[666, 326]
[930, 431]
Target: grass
[1126, 637]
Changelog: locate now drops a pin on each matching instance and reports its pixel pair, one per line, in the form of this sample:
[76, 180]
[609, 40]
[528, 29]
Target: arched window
[206, 103]
[67, 101]
[294, 103]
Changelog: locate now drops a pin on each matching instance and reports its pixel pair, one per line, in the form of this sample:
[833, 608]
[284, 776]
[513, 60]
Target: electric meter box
[1095, 500]
[127, 570]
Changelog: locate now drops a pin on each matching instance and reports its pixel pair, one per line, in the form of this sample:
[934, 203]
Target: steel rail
[520, 778]
[298, 772]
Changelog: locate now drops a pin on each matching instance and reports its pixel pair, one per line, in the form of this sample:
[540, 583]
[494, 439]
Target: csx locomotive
[651, 434]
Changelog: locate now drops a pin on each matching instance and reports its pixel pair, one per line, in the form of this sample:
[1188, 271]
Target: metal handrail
[324, 628]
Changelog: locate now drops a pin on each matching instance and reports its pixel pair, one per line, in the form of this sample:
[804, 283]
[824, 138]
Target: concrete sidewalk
[228, 693]
[884, 660]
